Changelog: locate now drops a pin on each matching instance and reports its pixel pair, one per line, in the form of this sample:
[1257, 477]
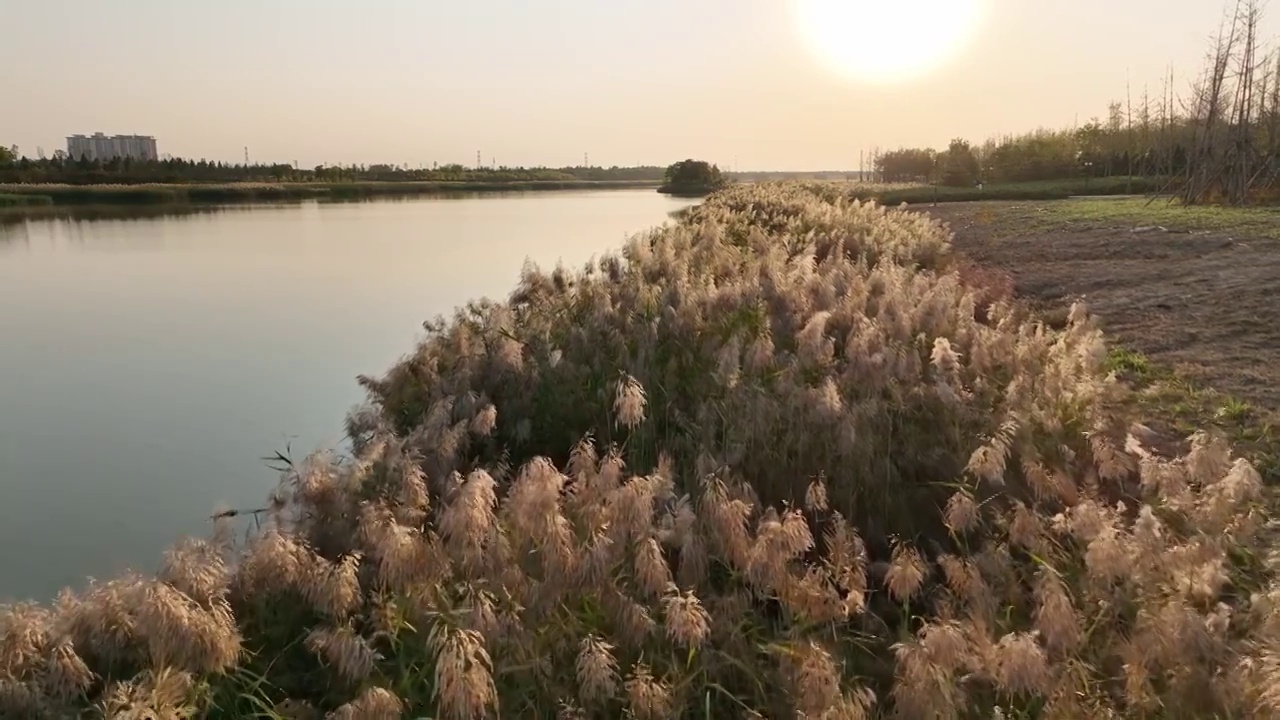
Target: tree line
[1145, 143]
[1218, 142]
[17, 168]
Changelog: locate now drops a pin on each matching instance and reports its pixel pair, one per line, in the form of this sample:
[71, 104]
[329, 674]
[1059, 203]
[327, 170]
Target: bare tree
[1128, 100]
[1204, 110]
[1230, 112]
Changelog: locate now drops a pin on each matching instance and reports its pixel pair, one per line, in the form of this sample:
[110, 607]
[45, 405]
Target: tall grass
[774, 460]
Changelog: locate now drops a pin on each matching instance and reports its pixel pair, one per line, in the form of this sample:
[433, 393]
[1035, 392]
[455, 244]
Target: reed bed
[774, 460]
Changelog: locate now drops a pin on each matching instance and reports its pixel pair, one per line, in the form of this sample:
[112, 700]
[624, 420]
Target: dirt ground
[1205, 303]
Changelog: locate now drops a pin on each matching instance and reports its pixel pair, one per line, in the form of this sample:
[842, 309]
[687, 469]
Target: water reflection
[152, 355]
[15, 223]
[23, 215]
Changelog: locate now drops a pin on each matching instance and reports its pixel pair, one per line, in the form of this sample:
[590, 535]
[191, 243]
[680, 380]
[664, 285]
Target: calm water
[148, 364]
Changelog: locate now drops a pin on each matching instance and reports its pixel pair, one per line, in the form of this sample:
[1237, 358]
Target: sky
[541, 82]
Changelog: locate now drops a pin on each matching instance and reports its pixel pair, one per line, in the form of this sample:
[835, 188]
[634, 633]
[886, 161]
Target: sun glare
[887, 41]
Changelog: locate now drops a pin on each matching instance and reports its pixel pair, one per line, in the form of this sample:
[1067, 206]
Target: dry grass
[771, 461]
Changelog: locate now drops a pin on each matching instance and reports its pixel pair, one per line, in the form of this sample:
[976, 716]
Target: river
[149, 363]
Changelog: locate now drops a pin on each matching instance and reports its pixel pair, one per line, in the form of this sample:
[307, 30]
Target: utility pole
[478, 162]
[246, 156]
[586, 162]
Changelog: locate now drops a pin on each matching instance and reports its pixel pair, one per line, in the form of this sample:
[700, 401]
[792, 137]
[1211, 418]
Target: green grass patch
[1180, 406]
[1123, 361]
[1141, 212]
[1040, 190]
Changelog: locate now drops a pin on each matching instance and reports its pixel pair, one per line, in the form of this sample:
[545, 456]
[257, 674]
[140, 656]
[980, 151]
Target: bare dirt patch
[1205, 303]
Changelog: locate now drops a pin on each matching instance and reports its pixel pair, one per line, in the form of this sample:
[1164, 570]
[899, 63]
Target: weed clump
[770, 461]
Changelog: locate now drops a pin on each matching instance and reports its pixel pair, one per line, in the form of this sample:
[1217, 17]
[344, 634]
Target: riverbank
[171, 194]
[20, 200]
[1185, 293]
[32, 195]
[916, 194]
[892, 195]
[688, 190]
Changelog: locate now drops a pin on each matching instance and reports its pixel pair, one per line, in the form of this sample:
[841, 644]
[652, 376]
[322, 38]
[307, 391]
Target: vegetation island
[692, 178]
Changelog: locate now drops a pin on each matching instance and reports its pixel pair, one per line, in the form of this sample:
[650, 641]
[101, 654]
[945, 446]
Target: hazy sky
[543, 81]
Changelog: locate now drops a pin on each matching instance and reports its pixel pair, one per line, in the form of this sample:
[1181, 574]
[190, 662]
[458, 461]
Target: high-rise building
[107, 147]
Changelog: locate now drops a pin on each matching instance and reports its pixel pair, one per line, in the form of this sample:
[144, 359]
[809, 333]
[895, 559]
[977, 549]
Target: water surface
[149, 363]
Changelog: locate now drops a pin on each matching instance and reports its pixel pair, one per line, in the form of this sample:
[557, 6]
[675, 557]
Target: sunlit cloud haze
[543, 81]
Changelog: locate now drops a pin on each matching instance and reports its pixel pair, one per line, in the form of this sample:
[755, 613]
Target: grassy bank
[687, 190]
[776, 459]
[23, 213]
[23, 200]
[1044, 190]
[259, 192]
[1162, 213]
[1183, 290]
[1129, 214]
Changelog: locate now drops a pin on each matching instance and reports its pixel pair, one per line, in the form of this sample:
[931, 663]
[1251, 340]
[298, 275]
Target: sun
[887, 41]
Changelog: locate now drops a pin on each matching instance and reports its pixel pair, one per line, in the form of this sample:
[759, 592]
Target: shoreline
[25, 198]
[64, 195]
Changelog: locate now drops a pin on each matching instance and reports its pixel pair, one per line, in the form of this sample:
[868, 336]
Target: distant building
[108, 147]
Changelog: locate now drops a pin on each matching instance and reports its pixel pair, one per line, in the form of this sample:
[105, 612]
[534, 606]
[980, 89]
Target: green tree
[692, 177]
[907, 165]
[7, 156]
[959, 164]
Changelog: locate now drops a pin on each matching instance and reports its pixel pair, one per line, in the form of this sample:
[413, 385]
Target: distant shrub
[769, 461]
[692, 178]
